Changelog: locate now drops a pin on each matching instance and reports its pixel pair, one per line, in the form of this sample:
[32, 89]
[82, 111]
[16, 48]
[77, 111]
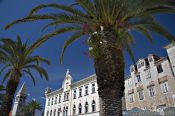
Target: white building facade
[73, 99]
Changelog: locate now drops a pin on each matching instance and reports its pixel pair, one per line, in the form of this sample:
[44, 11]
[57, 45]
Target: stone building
[73, 99]
[151, 84]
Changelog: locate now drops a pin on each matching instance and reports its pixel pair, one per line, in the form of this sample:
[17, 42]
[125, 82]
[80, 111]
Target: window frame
[152, 91]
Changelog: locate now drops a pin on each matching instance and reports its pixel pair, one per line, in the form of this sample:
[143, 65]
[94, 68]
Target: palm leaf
[39, 69]
[57, 6]
[50, 35]
[7, 75]
[30, 75]
[31, 18]
[69, 41]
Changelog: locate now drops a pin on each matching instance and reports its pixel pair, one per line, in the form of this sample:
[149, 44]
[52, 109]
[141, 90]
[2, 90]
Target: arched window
[93, 106]
[51, 113]
[54, 113]
[86, 107]
[80, 109]
[58, 112]
[47, 113]
[74, 109]
[66, 110]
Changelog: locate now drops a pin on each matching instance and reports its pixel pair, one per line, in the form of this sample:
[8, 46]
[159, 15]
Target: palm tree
[108, 25]
[2, 89]
[17, 60]
[31, 107]
[35, 105]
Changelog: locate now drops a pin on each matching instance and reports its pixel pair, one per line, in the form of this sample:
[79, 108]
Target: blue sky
[79, 64]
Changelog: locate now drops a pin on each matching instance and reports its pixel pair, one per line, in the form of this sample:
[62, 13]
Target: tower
[67, 81]
[19, 101]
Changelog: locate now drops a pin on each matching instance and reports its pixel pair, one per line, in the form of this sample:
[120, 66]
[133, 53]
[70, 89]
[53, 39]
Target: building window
[58, 114]
[56, 100]
[80, 109]
[59, 110]
[93, 106]
[131, 98]
[151, 91]
[129, 82]
[54, 114]
[80, 92]
[138, 78]
[164, 87]
[150, 59]
[132, 69]
[93, 87]
[86, 90]
[141, 96]
[52, 101]
[66, 96]
[159, 68]
[138, 65]
[47, 113]
[75, 94]
[86, 107]
[74, 110]
[67, 85]
[59, 98]
[51, 113]
[49, 102]
[148, 74]
[65, 111]
[142, 63]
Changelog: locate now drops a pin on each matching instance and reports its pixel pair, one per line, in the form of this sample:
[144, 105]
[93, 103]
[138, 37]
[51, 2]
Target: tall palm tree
[31, 107]
[17, 60]
[108, 26]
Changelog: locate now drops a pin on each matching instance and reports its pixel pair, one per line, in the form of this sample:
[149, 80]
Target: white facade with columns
[73, 99]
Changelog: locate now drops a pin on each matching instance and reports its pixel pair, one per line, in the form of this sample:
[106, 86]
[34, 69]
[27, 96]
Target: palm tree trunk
[33, 113]
[11, 88]
[110, 77]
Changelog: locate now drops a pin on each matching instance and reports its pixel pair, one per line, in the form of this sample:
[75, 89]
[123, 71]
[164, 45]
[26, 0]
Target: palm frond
[69, 41]
[50, 35]
[3, 68]
[39, 69]
[88, 6]
[160, 9]
[57, 6]
[145, 32]
[6, 76]
[31, 18]
[28, 71]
